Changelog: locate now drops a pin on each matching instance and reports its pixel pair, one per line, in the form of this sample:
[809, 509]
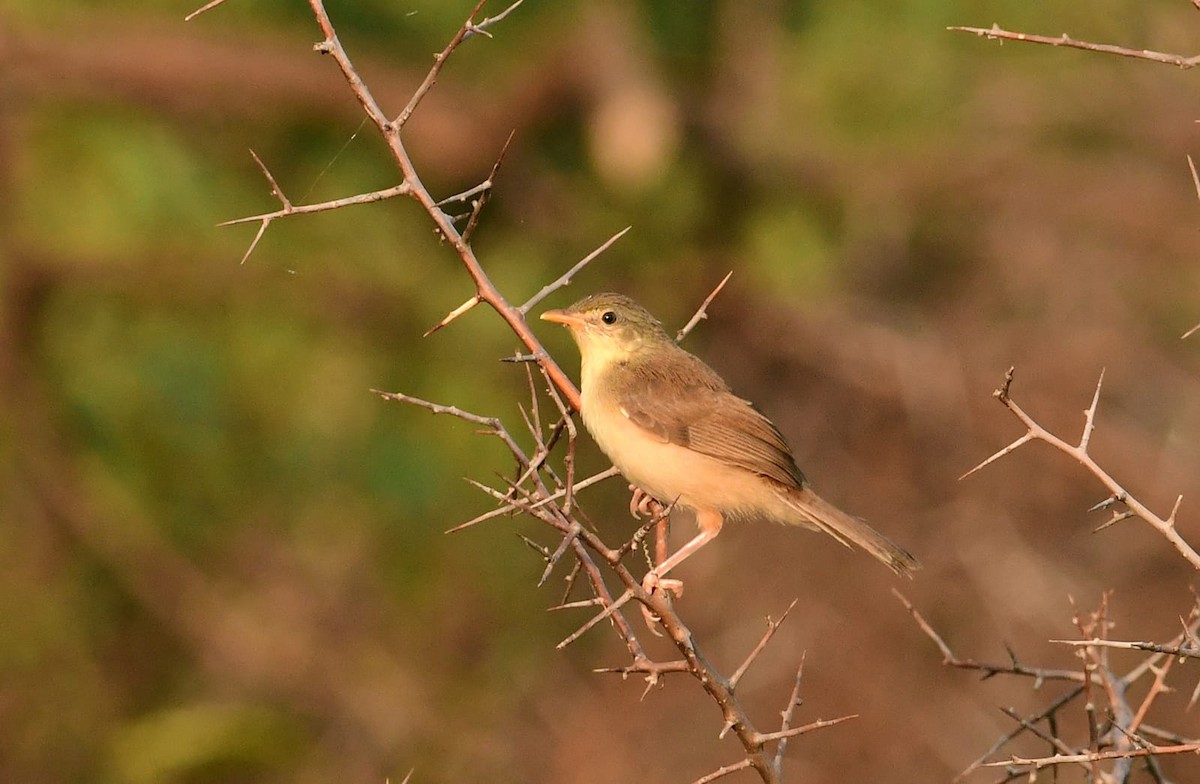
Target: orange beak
[563, 317]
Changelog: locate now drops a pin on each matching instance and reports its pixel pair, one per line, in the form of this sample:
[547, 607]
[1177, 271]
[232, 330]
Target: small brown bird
[671, 425]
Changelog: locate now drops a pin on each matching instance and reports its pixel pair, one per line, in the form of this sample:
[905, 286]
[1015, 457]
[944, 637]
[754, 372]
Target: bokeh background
[222, 558]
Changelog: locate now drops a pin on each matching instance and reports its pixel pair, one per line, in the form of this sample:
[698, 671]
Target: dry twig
[1121, 736]
[996, 33]
[1119, 495]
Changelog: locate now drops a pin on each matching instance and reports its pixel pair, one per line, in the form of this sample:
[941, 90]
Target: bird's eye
[609, 317]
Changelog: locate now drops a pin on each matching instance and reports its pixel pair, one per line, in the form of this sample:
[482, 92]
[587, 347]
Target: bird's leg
[710, 525]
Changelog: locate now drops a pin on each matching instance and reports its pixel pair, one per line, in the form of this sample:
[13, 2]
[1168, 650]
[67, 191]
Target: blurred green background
[222, 558]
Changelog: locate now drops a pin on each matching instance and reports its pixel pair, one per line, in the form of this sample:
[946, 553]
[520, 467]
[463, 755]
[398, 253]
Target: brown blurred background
[222, 558]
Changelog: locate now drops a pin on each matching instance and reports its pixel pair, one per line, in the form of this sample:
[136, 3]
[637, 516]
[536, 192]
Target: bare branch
[815, 725]
[1034, 431]
[772, 627]
[724, 771]
[1037, 763]
[461, 309]
[266, 218]
[478, 204]
[325, 206]
[595, 619]
[558, 553]
[439, 60]
[702, 313]
[481, 28]
[206, 7]
[1186, 651]
[994, 32]
[786, 717]
[949, 658]
[565, 280]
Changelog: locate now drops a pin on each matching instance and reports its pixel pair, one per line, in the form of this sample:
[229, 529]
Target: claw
[670, 588]
[640, 503]
[652, 620]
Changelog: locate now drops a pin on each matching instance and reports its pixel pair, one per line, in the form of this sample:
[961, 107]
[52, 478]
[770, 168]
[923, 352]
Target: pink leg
[710, 525]
[655, 580]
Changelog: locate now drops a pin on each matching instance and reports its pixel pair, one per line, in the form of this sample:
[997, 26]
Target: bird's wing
[696, 410]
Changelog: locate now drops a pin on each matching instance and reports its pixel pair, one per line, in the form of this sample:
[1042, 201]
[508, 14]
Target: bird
[675, 430]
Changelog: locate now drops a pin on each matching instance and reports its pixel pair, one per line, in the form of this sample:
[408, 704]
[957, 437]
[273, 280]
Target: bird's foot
[652, 582]
[641, 503]
[668, 587]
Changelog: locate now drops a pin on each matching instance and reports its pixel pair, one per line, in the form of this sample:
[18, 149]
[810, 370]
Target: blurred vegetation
[221, 557]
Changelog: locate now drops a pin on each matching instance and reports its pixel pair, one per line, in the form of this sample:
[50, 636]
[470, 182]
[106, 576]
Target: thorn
[594, 601]
[1174, 511]
[565, 279]
[1107, 502]
[1116, 518]
[1089, 421]
[606, 613]
[558, 553]
[542, 551]
[521, 358]
[461, 309]
[503, 510]
[1011, 447]
[702, 312]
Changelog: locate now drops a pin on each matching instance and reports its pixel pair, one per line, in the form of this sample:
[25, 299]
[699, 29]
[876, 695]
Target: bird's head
[609, 327]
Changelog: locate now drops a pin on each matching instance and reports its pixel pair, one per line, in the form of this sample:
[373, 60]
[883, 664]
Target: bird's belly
[676, 474]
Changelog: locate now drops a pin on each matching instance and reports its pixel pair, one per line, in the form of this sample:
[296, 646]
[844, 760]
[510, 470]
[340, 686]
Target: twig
[461, 309]
[814, 725]
[485, 196]
[206, 7]
[994, 32]
[772, 627]
[1096, 673]
[439, 60]
[481, 28]
[325, 206]
[702, 313]
[265, 219]
[565, 279]
[950, 659]
[1196, 185]
[1037, 763]
[1034, 431]
[786, 717]
[391, 133]
[724, 771]
[1190, 652]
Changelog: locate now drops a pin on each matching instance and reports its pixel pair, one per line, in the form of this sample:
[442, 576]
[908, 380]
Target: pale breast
[669, 472]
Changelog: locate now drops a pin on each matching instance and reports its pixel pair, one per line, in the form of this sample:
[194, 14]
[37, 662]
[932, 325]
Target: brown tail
[850, 530]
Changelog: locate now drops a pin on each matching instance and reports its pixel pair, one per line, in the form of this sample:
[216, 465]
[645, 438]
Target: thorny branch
[537, 490]
[996, 33]
[1119, 495]
[1118, 734]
